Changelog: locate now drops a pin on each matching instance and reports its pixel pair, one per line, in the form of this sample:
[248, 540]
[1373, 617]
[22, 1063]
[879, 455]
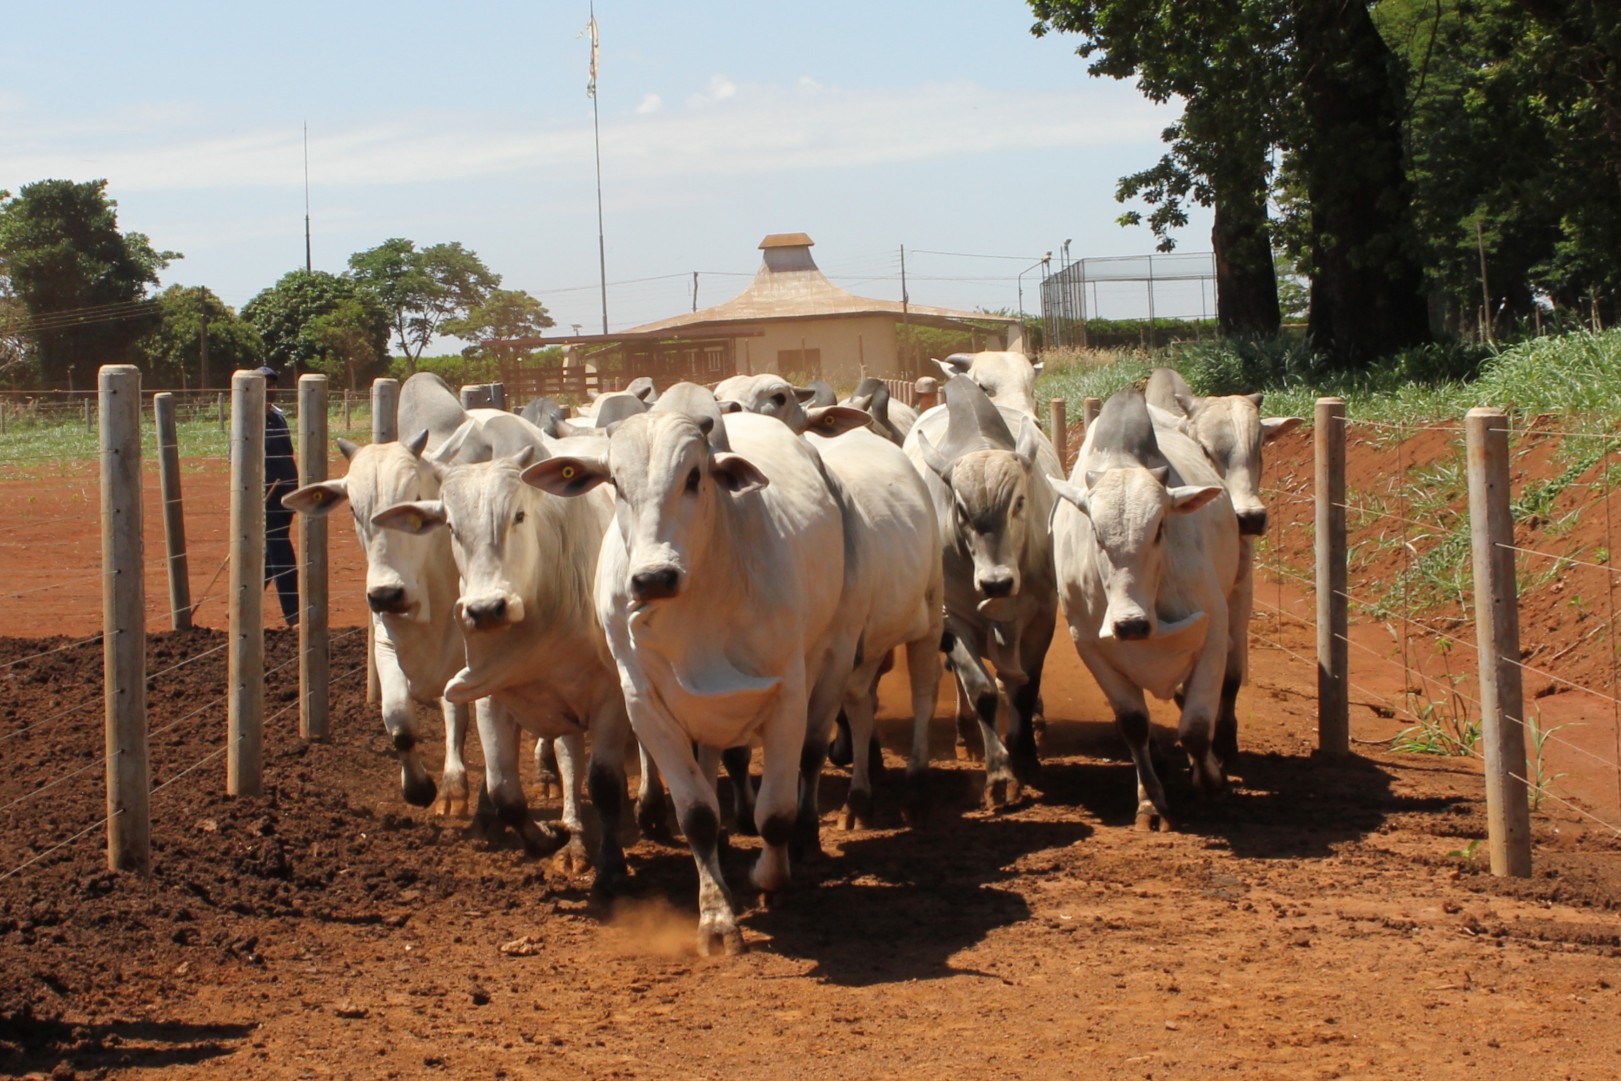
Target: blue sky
[943, 126]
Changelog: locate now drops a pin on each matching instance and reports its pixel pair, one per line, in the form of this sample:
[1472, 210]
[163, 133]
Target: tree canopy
[420, 290]
[81, 282]
[507, 313]
[286, 316]
[172, 351]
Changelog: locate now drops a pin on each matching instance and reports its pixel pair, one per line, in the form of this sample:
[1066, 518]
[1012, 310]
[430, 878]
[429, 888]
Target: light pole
[1042, 262]
[1063, 297]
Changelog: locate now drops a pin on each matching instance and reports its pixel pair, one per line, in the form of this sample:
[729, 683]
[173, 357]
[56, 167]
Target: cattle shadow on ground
[894, 906]
[1279, 806]
[31, 1044]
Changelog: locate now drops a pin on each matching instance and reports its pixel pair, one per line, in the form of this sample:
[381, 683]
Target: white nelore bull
[894, 595]
[1008, 379]
[1230, 430]
[410, 584]
[1232, 433]
[891, 418]
[534, 646]
[717, 592]
[1148, 558]
[993, 501]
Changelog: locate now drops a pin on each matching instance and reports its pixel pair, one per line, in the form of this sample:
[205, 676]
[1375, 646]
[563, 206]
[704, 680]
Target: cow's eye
[516, 518]
[692, 480]
[1018, 506]
[779, 399]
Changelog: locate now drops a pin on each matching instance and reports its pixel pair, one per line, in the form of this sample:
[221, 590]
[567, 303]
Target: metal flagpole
[596, 135]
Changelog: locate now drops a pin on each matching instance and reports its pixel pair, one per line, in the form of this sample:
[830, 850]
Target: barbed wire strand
[1611, 571]
[99, 697]
[1609, 594]
[59, 845]
[49, 652]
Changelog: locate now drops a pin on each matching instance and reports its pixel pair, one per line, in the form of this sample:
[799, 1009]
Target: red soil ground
[1329, 919]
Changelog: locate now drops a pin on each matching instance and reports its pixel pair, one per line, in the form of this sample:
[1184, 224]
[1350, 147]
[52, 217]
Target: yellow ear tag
[416, 522]
[318, 495]
[568, 472]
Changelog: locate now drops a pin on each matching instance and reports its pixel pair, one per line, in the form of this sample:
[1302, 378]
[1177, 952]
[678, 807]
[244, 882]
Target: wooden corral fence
[1500, 696]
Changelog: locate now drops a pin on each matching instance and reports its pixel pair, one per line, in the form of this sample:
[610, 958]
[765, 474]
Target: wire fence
[72, 569]
[1412, 624]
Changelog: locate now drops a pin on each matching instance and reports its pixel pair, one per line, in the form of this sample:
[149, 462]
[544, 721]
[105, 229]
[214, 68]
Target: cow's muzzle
[1132, 630]
[491, 613]
[655, 585]
[387, 600]
[1252, 523]
[996, 584]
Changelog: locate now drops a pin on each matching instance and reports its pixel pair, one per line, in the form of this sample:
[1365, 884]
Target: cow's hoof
[1002, 792]
[613, 880]
[541, 841]
[840, 752]
[857, 811]
[716, 938]
[571, 860]
[452, 801]
[419, 793]
[915, 802]
[485, 827]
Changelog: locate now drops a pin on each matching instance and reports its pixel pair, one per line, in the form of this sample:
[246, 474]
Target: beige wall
[844, 344]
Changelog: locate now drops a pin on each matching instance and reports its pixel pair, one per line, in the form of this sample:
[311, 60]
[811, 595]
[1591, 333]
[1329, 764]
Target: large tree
[173, 350]
[81, 281]
[422, 289]
[285, 313]
[1223, 60]
[350, 350]
[507, 313]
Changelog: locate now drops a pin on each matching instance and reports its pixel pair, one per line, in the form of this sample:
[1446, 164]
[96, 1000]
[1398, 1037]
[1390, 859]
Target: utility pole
[906, 330]
[596, 136]
[202, 342]
[694, 290]
[308, 266]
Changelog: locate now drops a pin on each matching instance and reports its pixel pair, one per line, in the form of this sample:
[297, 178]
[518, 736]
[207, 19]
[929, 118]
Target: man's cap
[268, 373]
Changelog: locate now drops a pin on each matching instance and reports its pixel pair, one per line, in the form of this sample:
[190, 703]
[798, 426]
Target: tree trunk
[1246, 280]
[1367, 297]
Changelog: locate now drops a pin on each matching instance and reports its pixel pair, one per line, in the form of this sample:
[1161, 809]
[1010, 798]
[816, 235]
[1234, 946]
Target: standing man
[281, 477]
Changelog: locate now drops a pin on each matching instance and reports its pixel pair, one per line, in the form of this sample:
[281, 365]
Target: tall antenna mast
[596, 136]
[307, 265]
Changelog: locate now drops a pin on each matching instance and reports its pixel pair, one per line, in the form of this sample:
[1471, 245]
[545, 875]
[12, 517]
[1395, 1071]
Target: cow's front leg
[503, 785]
[572, 859]
[1002, 786]
[1202, 695]
[453, 778]
[400, 720]
[737, 761]
[923, 669]
[547, 776]
[699, 814]
[1131, 720]
[610, 731]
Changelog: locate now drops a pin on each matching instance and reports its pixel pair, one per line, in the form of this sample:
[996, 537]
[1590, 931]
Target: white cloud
[775, 129]
[809, 85]
[720, 89]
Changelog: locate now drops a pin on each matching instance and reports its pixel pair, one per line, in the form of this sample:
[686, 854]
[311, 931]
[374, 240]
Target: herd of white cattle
[708, 571]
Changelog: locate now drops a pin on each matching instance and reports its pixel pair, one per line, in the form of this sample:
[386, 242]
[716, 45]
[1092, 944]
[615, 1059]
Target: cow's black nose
[487, 613]
[1131, 630]
[386, 599]
[655, 585]
[999, 586]
[1252, 523]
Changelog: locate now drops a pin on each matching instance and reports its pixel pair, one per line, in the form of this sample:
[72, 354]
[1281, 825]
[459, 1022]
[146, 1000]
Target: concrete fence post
[498, 396]
[927, 392]
[219, 408]
[245, 681]
[476, 396]
[314, 622]
[385, 404]
[89, 416]
[1090, 408]
[1497, 631]
[1058, 422]
[1333, 644]
[174, 518]
[123, 620]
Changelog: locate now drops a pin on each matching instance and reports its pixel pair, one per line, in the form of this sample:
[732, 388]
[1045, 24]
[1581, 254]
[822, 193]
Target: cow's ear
[348, 449]
[318, 500]
[951, 366]
[1190, 497]
[418, 443]
[1256, 398]
[805, 394]
[1272, 427]
[939, 463]
[464, 444]
[413, 518]
[568, 475]
[1190, 405]
[736, 474]
[523, 457]
[729, 406]
[1161, 473]
[832, 420]
[1029, 441]
[1069, 493]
